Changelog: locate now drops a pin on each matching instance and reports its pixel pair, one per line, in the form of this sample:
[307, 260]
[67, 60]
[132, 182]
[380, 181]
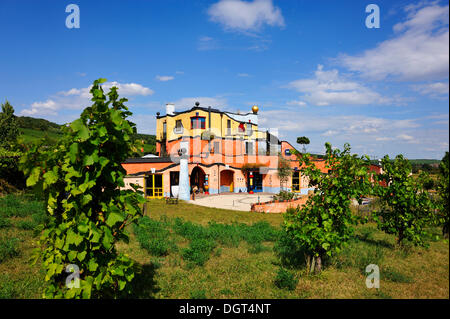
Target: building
[222, 152]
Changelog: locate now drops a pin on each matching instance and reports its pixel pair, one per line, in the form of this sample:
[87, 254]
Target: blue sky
[313, 67]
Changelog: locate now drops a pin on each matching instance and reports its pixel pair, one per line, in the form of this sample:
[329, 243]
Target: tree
[407, 207]
[10, 151]
[80, 178]
[443, 190]
[9, 130]
[324, 224]
[284, 170]
[303, 140]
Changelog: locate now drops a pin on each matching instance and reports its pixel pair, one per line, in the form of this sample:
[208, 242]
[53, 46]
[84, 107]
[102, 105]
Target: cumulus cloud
[164, 78]
[328, 87]
[418, 51]
[372, 135]
[48, 107]
[77, 99]
[188, 102]
[435, 90]
[245, 16]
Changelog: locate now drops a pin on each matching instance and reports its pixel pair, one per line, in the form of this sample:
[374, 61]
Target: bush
[285, 279]
[290, 253]
[198, 251]
[153, 236]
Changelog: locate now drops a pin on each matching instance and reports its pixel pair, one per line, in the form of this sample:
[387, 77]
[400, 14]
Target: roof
[149, 160]
[206, 109]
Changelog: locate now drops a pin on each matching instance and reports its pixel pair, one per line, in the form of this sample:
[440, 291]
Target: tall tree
[9, 129]
[284, 170]
[324, 224]
[443, 190]
[407, 207]
[81, 178]
[303, 140]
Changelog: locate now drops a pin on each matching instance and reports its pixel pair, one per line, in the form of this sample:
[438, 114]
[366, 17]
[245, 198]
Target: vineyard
[246, 253]
[72, 217]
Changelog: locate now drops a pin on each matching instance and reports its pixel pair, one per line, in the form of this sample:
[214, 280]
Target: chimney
[170, 109]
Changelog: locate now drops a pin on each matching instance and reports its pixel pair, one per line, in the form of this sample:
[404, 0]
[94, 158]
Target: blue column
[184, 192]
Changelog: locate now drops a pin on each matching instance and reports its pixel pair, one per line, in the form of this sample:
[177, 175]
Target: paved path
[232, 201]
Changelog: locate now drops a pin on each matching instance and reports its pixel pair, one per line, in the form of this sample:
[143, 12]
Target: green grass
[31, 135]
[188, 251]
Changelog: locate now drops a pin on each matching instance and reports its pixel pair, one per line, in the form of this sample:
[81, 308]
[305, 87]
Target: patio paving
[234, 201]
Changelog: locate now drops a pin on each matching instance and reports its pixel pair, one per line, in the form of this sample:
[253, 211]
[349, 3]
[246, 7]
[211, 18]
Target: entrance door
[154, 186]
[174, 183]
[296, 182]
[257, 182]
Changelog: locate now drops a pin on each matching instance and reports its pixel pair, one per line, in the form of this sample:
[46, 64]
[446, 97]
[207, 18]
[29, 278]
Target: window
[249, 148]
[154, 185]
[228, 127]
[164, 130]
[197, 122]
[249, 129]
[216, 147]
[178, 127]
[296, 182]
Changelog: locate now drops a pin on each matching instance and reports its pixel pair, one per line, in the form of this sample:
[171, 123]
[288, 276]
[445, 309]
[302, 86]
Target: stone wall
[278, 206]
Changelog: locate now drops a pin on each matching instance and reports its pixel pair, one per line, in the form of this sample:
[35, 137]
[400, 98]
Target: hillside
[33, 129]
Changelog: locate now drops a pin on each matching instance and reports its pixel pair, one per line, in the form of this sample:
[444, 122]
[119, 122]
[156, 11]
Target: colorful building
[223, 152]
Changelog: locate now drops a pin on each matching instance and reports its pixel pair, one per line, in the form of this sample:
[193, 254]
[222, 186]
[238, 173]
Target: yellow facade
[219, 126]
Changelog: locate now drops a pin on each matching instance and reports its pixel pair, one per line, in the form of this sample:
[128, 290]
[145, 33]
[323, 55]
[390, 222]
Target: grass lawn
[200, 252]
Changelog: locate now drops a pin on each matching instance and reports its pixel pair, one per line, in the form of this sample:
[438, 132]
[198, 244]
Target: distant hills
[33, 129]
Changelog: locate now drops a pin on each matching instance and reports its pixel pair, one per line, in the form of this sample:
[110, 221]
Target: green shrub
[154, 236]
[8, 248]
[285, 279]
[290, 253]
[198, 251]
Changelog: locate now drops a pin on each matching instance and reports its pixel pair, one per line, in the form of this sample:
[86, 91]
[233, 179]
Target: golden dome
[255, 109]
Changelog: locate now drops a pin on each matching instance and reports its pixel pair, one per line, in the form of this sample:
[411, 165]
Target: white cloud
[164, 78]
[373, 135]
[328, 87]
[48, 107]
[77, 99]
[418, 51]
[243, 75]
[435, 90]
[189, 102]
[296, 103]
[245, 16]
